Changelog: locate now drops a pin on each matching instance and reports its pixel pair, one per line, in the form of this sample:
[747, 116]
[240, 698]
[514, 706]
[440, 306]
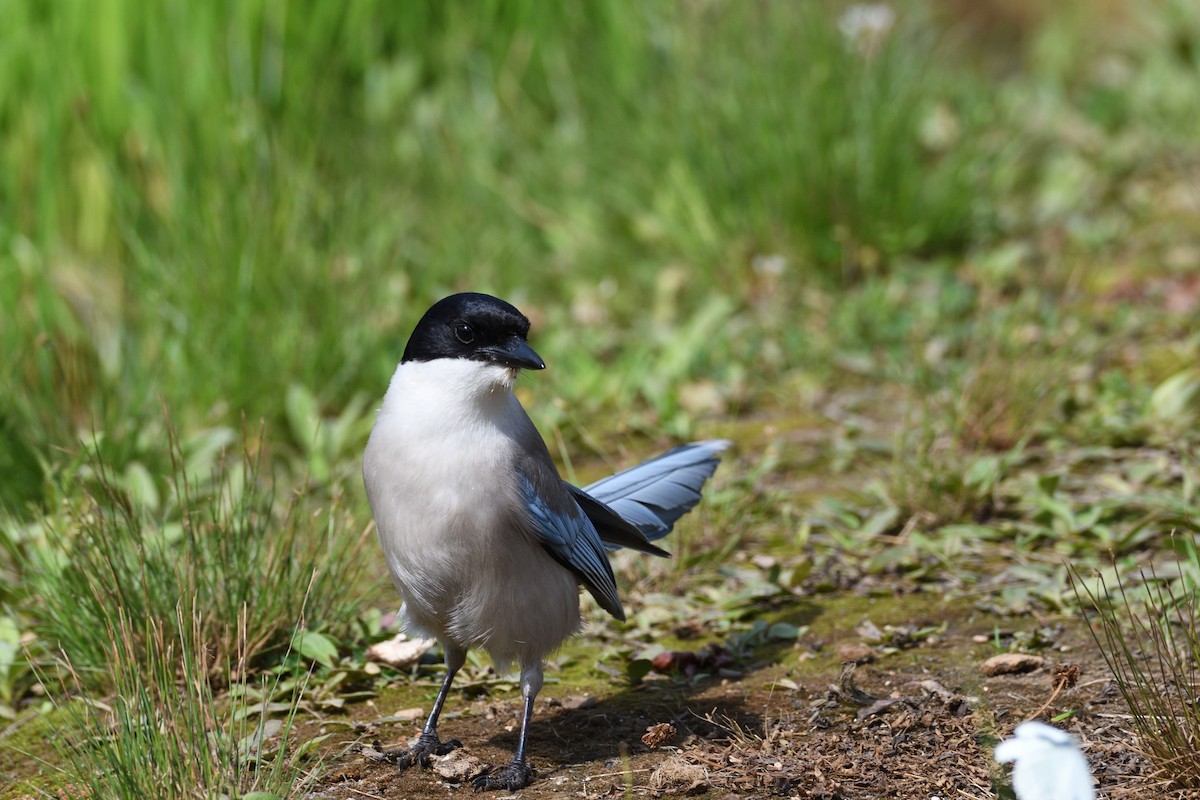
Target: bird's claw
[516, 775]
[428, 744]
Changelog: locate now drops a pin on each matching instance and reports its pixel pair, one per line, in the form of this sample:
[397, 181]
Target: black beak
[516, 353]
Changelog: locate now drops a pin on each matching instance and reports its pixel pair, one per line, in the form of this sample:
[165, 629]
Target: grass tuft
[224, 545]
[163, 732]
[1151, 644]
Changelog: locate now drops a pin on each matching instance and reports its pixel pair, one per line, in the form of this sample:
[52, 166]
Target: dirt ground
[915, 719]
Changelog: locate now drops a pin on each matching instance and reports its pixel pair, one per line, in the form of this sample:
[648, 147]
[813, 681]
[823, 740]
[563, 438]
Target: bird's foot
[428, 744]
[516, 775]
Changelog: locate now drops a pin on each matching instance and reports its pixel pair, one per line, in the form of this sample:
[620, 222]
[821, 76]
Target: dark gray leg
[518, 774]
[428, 744]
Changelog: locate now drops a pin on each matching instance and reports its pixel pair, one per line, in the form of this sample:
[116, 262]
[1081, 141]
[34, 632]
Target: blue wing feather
[656, 493]
[571, 539]
[628, 509]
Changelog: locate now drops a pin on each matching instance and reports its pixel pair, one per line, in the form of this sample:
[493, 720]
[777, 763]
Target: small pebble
[1011, 664]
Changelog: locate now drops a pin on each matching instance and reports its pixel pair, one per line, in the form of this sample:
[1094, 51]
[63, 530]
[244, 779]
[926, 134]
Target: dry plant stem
[1058, 687]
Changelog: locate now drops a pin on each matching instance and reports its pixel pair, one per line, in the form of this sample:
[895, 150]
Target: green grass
[164, 732]
[216, 202]
[1151, 644]
[938, 293]
[222, 543]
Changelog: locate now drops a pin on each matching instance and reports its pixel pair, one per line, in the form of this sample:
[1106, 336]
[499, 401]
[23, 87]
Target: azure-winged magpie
[486, 544]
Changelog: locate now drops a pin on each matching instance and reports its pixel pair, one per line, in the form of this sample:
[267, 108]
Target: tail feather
[653, 495]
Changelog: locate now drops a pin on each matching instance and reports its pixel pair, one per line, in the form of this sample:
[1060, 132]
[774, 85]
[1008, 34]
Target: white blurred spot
[1048, 764]
[773, 264]
[866, 26]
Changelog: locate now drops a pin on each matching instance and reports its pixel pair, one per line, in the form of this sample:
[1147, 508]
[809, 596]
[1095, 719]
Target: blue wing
[571, 539]
[654, 494]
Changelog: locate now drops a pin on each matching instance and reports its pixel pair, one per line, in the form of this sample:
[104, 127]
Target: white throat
[447, 386]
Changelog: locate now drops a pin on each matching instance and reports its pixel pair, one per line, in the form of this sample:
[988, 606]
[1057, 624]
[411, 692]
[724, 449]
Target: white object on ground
[400, 651]
[1047, 764]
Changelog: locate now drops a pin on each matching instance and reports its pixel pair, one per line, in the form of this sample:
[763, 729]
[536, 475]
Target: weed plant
[226, 547]
[982, 386]
[1150, 641]
[164, 734]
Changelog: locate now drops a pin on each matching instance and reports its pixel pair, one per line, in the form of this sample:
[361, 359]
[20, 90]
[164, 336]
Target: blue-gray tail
[640, 504]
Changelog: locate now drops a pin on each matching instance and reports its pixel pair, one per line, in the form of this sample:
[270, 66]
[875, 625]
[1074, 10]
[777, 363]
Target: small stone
[1011, 664]
[858, 653]
[457, 766]
[763, 561]
[579, 701]
[409, 714]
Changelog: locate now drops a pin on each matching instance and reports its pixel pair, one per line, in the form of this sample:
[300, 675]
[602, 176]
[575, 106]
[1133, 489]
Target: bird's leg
[518, 774]
[428, 744]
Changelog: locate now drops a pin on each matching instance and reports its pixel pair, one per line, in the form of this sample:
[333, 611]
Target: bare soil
[916, 720]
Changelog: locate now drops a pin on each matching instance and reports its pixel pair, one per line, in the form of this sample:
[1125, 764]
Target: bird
[1048, 764]
[485, 542]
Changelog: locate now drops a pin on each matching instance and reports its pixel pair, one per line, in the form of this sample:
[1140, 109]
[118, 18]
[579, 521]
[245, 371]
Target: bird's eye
[464, 333]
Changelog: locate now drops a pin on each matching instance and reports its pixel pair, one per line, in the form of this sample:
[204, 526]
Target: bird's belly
[429, 539]
[520, 607]
[467, 575]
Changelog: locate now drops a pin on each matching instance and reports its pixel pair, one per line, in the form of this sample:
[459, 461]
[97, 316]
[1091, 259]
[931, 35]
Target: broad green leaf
[879, 522]
[10, 645]
[139, 483]
[984, 472]
[1176, 401]
[315, 647]
[308, 747]
[783, 632]
[278, 707]
[203, 448]
[303, 415]
[637, 669]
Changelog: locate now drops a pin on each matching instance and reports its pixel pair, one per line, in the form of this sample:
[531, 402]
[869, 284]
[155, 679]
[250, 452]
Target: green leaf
[984, 473]
[22, 483]
[202, 450]
[637, 669]
[1056, 509]
[315, 647]
[1048, 484]
[879, 522]
[139, 483]
[278, 707]
[303, 415]
[1176, 401]
[308, 747]
[10, 646]
[783, 632]
[795, 577]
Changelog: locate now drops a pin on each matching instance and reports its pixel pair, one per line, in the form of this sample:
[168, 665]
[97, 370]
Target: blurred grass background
[204, 204]
[942, 234]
